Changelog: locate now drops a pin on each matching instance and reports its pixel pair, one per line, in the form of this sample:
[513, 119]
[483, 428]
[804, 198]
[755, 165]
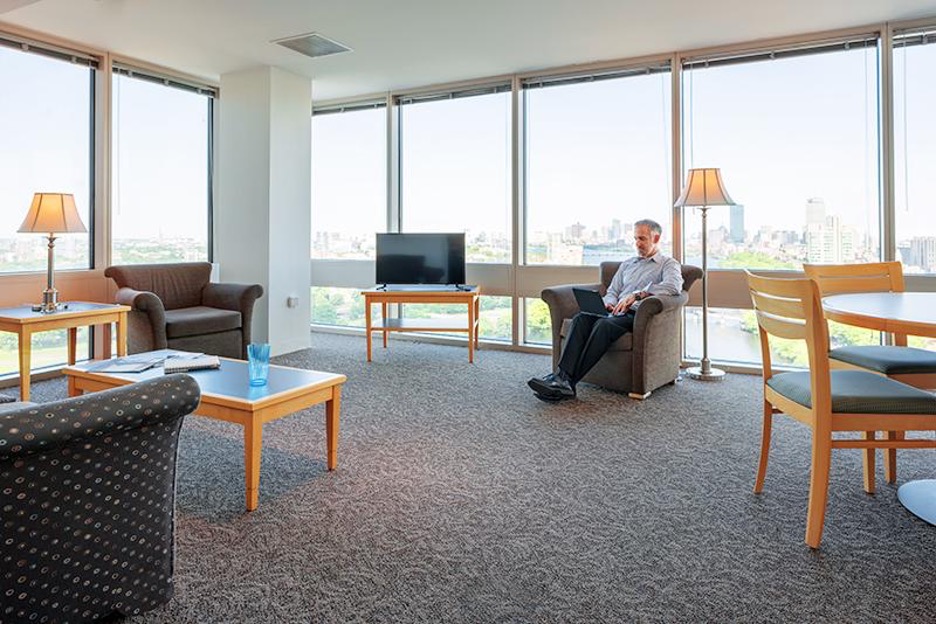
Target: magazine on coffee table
[186, 364]
[128, 364]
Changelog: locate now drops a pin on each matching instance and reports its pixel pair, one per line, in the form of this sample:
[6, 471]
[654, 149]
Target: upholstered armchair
[87, 488]
[639, 362]
[176, 307]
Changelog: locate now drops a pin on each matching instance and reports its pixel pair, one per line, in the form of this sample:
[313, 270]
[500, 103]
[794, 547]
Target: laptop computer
[590, 301]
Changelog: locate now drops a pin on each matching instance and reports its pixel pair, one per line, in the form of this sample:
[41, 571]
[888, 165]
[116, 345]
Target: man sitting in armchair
[650, 272]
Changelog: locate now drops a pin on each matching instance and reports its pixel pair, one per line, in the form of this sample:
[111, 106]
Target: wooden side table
[469, 296]
[24, 322]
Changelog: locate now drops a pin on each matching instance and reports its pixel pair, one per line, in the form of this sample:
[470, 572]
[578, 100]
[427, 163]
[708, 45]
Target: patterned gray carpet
[461, 498]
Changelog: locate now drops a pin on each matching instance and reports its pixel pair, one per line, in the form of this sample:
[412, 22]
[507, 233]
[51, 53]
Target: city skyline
[823, 238]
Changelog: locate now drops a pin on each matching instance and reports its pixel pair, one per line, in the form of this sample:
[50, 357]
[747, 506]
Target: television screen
[421, 258]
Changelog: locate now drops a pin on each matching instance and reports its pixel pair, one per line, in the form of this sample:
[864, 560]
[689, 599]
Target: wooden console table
[24, 322]
[471, 297]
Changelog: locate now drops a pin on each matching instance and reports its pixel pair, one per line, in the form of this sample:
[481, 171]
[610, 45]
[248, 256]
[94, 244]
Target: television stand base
[462, 294]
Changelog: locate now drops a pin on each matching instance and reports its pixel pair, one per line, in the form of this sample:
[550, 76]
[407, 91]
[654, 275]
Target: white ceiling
[400, 44]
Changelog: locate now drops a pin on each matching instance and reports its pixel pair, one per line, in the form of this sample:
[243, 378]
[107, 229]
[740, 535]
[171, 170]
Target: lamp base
[51, 309]
[50, 303]
[713, 374]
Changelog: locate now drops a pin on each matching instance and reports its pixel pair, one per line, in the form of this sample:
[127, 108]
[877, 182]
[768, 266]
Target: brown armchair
[176, 307]
[639, 362]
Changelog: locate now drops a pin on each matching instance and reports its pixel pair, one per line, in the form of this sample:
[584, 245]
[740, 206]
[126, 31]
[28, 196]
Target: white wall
[262, 212]
[290, 210]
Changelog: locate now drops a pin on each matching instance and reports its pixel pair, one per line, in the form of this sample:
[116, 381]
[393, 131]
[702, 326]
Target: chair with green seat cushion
[916, 367]
[857, 392]
[887, 360]
[828, 401]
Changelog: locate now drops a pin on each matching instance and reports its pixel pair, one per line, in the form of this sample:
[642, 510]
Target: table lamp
[703, 189]
[51, 214]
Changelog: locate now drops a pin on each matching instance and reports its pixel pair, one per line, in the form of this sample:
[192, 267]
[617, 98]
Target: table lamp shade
[704, 187]
[52, 213]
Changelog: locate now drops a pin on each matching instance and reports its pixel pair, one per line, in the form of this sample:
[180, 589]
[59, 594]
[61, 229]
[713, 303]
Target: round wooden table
[911, 313]
[906, 313]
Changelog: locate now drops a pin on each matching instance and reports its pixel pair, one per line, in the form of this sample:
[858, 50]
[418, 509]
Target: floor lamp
[51, 214]
[704, 189]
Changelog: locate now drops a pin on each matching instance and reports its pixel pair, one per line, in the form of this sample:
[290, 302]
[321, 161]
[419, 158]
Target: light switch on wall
[292, 302]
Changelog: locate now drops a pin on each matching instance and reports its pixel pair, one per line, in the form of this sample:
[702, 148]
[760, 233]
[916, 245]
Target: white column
[262, 209]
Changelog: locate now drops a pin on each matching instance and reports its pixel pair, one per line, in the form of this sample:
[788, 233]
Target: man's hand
[624, 304]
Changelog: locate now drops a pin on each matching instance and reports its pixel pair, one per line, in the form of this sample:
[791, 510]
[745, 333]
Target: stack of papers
[133, 364]
[186, 364]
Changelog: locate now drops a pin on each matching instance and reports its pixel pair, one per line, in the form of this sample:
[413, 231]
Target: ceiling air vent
[313, 45]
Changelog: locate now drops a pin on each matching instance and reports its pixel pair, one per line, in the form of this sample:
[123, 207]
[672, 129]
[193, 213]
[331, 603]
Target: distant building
[737, 224]
[903, 253]
[923, 252]
[617, 231]
[830, 242]
[717, 237]
[815, 211]
[575, 232]
[561, 252]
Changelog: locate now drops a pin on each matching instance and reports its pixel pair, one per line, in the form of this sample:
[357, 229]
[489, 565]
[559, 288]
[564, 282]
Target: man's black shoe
[553, 386]
[549, 399]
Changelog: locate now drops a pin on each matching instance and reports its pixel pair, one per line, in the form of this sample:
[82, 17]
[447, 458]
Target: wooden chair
[827, 400]
[916, 367]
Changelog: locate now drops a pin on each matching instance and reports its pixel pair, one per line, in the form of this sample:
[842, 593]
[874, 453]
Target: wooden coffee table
[226, 395]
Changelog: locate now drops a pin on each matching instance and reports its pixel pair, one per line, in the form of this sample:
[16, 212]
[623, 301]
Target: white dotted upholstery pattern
[87, 496]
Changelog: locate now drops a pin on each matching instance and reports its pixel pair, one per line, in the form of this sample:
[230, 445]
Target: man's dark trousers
[589, 338]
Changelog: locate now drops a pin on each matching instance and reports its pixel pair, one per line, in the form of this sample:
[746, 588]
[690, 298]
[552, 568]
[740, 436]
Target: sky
[44, 134]
[159, 147]
[782, 131]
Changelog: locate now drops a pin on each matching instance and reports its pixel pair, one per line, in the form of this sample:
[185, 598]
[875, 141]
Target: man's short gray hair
[650, 223]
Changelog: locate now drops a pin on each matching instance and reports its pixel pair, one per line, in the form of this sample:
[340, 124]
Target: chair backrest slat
[781, 327]
[856, 278]
[777, 306]
[790, 308]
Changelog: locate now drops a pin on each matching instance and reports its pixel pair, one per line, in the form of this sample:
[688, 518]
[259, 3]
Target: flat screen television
[421, 259]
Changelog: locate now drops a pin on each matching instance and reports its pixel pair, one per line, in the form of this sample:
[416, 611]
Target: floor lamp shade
[51, 214]
[704, 188]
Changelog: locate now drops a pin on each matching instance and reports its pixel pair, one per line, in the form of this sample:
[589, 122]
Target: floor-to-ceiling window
[47, 130]
[794, 127]
[455, 168]
[161, 162]
[349, 199]
[795, 133]
[597, 153]
[597, 159]
[915, 148]
[455, 176]
[915, 153]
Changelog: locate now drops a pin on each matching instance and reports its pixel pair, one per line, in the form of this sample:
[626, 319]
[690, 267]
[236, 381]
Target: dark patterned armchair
[87, 493]
[637, 363]
[176, 307]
